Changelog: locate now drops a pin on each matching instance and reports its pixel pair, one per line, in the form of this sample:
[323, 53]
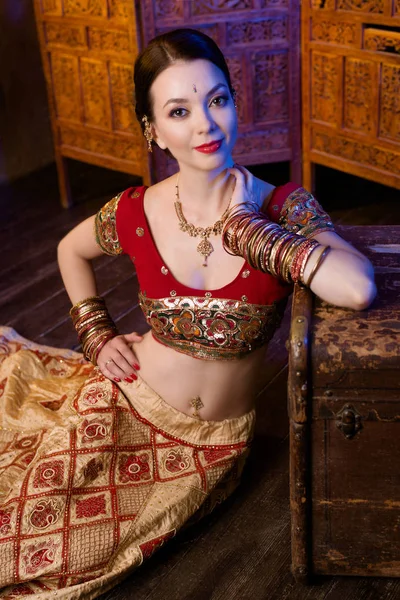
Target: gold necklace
[205, 247]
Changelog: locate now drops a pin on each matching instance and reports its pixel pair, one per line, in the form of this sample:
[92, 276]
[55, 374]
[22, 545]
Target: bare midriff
[227, 388]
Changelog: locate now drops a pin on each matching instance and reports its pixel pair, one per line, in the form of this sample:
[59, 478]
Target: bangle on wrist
[317, 265]
[93, 325]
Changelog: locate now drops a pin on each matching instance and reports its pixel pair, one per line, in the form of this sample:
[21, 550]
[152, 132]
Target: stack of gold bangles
[268, 247]
[93, 325]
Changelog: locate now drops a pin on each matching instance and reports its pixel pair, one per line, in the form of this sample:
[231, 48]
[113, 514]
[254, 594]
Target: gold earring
[147, 133]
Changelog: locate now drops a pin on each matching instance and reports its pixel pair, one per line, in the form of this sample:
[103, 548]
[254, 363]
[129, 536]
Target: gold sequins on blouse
[105, 227]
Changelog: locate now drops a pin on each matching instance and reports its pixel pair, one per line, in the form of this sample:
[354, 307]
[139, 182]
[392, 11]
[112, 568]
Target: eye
[219, 101]
[178, 112]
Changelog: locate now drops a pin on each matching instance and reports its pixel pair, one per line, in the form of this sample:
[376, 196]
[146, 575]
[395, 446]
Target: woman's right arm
[76, 250]
[75, 253]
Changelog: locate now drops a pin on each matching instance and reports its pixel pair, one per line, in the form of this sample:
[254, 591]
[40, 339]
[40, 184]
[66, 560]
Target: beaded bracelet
[93, 324]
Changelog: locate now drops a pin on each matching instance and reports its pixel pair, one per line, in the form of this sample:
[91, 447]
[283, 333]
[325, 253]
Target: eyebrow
[210, 93]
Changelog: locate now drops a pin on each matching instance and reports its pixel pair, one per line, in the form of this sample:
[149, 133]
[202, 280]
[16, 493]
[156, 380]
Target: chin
[215, 161]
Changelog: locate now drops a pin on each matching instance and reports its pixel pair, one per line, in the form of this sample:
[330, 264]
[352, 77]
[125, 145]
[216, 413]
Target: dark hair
[164, 50]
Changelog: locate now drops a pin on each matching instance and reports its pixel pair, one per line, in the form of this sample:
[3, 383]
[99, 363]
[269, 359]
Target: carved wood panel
[88, 51]
[351, 88]
[260, 39]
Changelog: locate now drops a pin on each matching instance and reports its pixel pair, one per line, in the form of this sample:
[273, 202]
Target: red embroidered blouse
[225, 323]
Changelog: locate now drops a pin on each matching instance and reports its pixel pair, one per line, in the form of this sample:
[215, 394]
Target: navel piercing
[196, 404]
[194, 88]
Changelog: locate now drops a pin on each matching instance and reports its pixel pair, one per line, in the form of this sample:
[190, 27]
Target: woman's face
[194, 114]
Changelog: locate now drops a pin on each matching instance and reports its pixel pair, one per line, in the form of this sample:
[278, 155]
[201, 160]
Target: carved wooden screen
[351, 88]
[260, 39]
[88, 50]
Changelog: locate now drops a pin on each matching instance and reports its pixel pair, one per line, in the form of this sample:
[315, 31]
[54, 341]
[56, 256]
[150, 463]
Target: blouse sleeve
[105, 227]
[298, 211]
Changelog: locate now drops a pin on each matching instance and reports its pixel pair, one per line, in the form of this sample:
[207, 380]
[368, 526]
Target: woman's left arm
[345, 278]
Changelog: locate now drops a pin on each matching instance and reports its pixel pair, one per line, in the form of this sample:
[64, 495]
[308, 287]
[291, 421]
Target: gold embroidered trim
[211, 328]
[105, 227]
[301, 213]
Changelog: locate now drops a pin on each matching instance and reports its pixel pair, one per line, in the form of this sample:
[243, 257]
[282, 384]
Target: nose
[205, 122]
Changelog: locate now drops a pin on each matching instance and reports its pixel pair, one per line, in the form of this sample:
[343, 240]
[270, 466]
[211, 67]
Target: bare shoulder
[156, 195]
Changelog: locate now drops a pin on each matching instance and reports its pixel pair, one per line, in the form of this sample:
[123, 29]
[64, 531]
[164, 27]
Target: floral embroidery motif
[140, 231]
[218, 328]
[94, 395]
[134, 467]
[301, 213]
[213, 454]
[25, 442]
[245, 273]
[105, 227]
[185, 324]
[5, 521]
[164, 270]
[91, 507]
[19, 590]
[38, 556]
[176, 461]
[211, 328]
[44, 514]
[93, 430]
[49, 474]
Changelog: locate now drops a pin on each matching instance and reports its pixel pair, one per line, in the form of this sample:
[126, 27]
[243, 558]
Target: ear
[157, 138]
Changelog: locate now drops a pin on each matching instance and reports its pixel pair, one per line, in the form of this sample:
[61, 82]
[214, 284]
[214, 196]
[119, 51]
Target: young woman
[105, 462]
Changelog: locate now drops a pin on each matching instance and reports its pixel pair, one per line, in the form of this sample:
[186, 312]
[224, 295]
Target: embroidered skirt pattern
[95, 477]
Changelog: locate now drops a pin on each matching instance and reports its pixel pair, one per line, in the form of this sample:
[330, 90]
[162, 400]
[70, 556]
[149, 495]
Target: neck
[204, 195]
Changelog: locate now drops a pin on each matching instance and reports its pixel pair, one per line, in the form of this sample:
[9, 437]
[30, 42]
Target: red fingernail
[134, 376]
[136, 366]
[117, 379]
[128, 380]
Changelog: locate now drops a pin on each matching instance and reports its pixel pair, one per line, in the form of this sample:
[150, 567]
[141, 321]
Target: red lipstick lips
[209, 148]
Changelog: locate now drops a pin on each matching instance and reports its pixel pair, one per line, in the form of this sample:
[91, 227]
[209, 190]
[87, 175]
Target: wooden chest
[344, 410]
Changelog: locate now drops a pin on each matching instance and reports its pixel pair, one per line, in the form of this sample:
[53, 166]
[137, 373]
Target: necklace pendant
[205, 248]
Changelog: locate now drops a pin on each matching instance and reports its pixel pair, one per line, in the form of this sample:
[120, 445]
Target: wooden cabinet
[88, 51]
[351, 88]
[260, 39]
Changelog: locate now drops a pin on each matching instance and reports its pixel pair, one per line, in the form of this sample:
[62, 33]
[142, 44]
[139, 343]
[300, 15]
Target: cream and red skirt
[93, 476]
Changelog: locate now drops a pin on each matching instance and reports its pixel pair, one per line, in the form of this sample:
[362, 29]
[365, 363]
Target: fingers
[239, 192]
[133, 337]
[243, 192]
[117, 361]
[245, 172]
